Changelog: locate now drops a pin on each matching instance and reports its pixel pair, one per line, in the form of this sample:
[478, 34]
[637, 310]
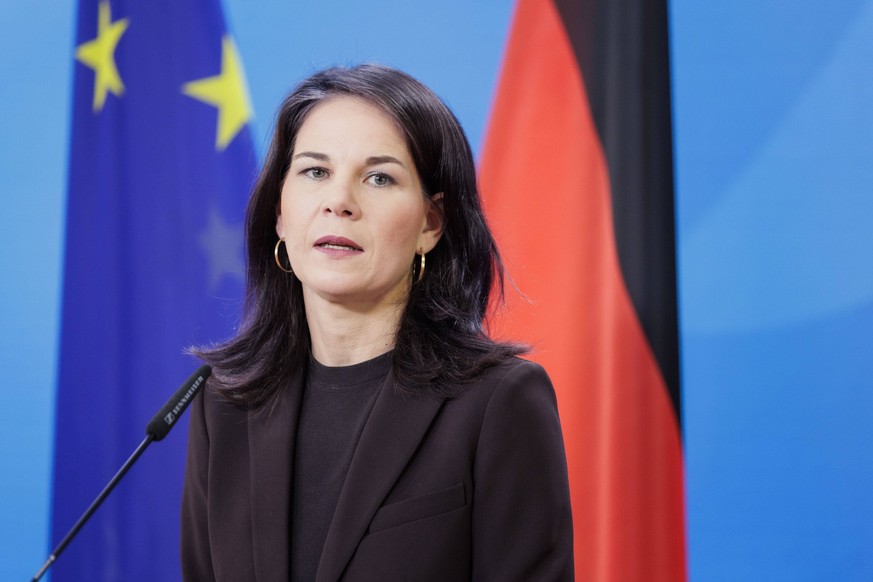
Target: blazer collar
[391, 435]
[272, 433]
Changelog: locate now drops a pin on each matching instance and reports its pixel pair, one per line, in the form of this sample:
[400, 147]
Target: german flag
[577, 179]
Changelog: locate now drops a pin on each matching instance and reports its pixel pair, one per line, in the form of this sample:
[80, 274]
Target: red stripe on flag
[547, 195]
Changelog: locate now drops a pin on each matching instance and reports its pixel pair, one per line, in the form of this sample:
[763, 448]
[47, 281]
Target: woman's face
[352, 211]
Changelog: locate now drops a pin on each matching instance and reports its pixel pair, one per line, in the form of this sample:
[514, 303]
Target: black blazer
[468, 488]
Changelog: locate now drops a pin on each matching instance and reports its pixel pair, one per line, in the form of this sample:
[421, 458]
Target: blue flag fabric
[161, 165]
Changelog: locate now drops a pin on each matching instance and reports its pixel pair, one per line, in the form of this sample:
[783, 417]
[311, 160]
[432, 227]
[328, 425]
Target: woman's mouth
[337, 245]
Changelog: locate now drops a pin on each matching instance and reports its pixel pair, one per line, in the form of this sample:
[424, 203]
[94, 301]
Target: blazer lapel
[271, 450]
[392, 433]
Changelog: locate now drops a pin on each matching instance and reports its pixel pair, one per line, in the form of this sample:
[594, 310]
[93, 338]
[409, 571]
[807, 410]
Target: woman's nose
[341, 200]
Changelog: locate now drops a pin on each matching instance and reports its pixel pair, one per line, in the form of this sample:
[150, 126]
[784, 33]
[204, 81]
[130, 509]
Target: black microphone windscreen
[163, 421]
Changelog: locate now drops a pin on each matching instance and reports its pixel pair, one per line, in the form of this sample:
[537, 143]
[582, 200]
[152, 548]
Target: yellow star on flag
[99, 54]
[226, 91]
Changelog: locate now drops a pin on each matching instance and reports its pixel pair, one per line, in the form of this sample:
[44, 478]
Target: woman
[362, 425]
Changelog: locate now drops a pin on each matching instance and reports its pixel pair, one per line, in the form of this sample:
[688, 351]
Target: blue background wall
[773, 114]
[774, 130]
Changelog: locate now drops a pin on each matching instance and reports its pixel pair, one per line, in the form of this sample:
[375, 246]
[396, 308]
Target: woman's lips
[337, 246]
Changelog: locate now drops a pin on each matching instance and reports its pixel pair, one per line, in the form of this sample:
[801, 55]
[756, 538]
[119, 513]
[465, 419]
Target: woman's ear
[280, 230]
[434, 219]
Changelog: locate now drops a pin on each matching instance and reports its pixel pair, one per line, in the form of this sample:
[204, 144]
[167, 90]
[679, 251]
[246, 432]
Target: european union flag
[161, 165]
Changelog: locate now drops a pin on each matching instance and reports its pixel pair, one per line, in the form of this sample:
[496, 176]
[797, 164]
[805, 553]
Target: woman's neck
[342, 335]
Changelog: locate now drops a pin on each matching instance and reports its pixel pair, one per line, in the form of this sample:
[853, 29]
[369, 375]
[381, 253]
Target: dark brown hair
[441, 341]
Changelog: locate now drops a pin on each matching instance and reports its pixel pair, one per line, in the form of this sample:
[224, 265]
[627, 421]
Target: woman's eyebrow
[316, 155]
[376, 160]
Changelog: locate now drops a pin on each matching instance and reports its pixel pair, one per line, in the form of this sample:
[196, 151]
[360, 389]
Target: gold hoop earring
[276, 256]
[420, 267]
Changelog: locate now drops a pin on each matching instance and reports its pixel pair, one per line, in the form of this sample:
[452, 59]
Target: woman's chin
[342, 290]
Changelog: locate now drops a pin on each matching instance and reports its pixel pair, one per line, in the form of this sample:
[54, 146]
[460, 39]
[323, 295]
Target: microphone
[163, 421]
[156, 430]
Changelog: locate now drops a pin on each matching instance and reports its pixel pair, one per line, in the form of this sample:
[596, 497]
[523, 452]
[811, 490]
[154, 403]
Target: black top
[335, 407]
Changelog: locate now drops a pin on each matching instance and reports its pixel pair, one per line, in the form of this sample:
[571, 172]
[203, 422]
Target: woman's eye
[380, 180]
[315, 173]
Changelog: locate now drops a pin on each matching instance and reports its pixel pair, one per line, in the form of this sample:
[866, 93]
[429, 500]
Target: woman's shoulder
[218, 407]
[513, 371]
[511, 406]
[514, 382]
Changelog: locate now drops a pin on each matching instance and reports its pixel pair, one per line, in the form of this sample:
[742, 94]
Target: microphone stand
[93, 507]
